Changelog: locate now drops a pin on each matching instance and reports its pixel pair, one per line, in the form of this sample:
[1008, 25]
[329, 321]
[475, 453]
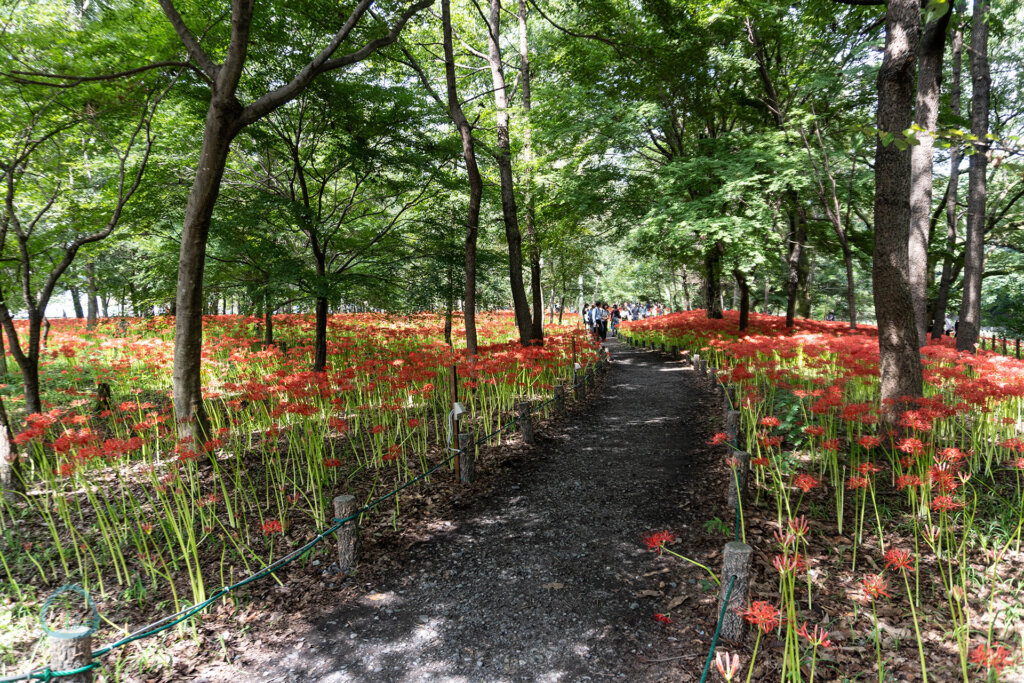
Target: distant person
[831, 317]
[956, 327]
[947, 327]
[616, 317]
[602, 321]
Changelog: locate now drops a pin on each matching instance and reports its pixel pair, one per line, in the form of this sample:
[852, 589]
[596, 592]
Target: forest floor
[539, 571]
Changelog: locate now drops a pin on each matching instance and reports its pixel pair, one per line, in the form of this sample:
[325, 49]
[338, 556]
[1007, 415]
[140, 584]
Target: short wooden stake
[695, 361]
[467, 473]
[675, 352]
[732, 426]
[581, 389]
[68, 654]
[739, 468]
[735, 562]
[559, 399]
[348, 534]
[525, 422]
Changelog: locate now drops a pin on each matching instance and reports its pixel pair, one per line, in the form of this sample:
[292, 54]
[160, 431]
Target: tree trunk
[503, 157]
[268, 321]
[105, 305]
[476, 185]
[320, 337]
[537, 324]
[955, 156]
[189, 411]
[744, 295]
[974, 250]
[797, 242]
[91, 299]
[686, 290]
[76, 301]
[929, 81]
[11, 483]
[712, 280]
[900, 359]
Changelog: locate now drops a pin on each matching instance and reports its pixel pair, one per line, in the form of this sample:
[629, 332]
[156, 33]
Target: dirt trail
[547, 578]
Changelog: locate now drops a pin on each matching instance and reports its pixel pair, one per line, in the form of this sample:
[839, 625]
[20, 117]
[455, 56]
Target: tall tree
[900, 358]
[532, 242]
[926, 116]
[955, 156]
[225, 118]
[503, 157]
[974, 250]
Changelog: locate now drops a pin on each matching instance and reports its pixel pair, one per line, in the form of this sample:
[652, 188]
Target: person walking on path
[616, 317]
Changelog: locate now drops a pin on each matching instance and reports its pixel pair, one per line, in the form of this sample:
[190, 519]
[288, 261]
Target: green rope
[172, 620]
[718, 630]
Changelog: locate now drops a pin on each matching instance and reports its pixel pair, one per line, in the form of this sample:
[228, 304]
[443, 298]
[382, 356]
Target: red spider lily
[945, 504]
[818, 637]
[727, 667]
[789, 563]
[784, 539]
[905, 480]
[830, 445]
[656, 539]
[762, 461]
[868, 441]
[769, 441]
[856, 482]
[763, 615]
[911, 446]
[770, 421]
[875, 586]
[869, 468]
[272, 527]
[663, 618]
[805, 482]
[898, 559]
[718, 438]
[814, 431]
[799, 526]
[997, 657]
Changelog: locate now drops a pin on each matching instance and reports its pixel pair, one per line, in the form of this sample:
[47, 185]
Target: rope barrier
[172, 620]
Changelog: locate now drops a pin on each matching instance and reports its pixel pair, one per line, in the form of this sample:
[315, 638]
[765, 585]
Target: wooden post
[735, 562]
[581, 389]
[468, 472]
[559, 399]
[525, 422]
[348, 534]
[695, 361]
[739, 469]
[732, 426]
[103, 396]
[70, 653]
[1004, 344]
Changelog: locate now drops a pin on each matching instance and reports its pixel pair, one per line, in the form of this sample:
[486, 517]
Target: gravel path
[547, 579]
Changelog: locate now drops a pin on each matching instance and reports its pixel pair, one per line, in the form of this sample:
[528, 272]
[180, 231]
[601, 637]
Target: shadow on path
[545, 579]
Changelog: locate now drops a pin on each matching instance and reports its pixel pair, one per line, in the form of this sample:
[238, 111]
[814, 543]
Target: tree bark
[955, 156]
[11, 483]
[977, 196]
[76, 301]
[929, 81]
[744, 295]
[686, 290]
[320, 336]
[900, 359]
[476, 184]
[268, 321]
[503, 157]
[712, 280]
[533, 244]
[796, 261]
[92, 305]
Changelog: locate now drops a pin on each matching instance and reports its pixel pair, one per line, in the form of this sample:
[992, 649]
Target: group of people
[602, 316]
